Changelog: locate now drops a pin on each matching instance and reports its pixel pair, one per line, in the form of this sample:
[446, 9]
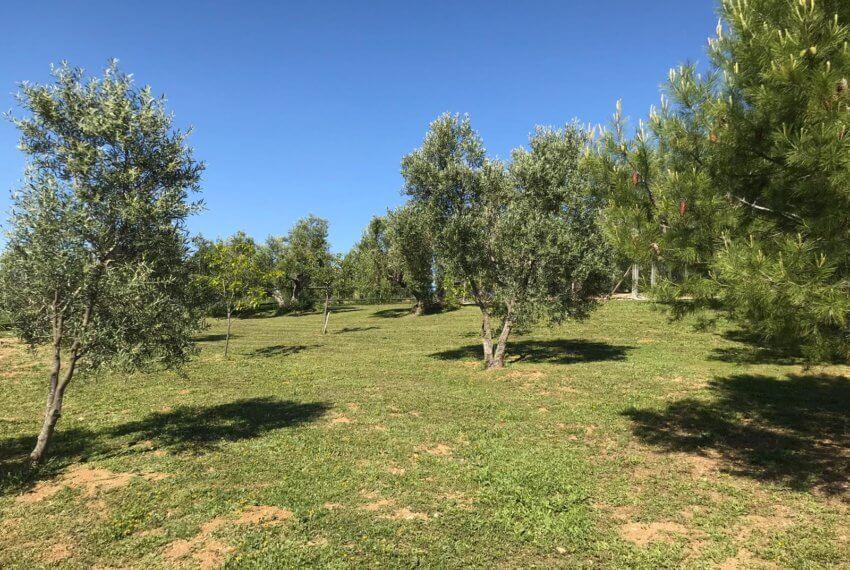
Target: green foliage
[375, 274]
[298, 264]
[551, 255]
[742, 176]
[234, 273]
[412, 250]
[524, 238]
[203, 297]
[96, 255]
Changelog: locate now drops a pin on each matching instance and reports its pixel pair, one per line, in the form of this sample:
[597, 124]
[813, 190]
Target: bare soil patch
[643, 534]
[405, 514]
[265, 515]
[745, 559]
[90, 481]
[779, 520]
[378, 505]
[440, 450]
[59, 552]
[458, 500]
[209, 552]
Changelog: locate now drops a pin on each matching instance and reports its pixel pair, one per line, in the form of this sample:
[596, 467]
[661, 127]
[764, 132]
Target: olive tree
[95, 263]
[375, 275]
[295, 260]
[411, 247]
[329, 279]
[235, 276]
[523, 236]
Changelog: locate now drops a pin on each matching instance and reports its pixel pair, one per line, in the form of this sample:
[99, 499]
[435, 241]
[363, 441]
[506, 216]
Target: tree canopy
[95, 264]
[742, 175]
[234, 275]
[411, 249]
[524, 237]
[295, 261]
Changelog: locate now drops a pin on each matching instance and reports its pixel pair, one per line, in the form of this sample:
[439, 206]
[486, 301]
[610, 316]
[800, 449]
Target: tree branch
[753, 205]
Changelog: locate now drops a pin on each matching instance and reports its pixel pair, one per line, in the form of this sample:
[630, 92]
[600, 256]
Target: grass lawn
[622, 441]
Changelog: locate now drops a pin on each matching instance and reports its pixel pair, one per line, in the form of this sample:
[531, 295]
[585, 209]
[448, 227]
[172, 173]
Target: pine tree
[742, 177]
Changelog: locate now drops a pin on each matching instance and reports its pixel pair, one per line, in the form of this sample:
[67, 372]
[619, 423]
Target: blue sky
[308, 107]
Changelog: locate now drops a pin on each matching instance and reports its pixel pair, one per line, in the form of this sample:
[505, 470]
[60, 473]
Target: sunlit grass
[621, 441]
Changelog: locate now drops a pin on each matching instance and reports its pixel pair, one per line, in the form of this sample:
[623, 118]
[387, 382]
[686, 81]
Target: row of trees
[522, 238]
[394, 259]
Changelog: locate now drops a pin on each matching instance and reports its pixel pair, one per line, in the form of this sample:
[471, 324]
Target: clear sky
[308, 107]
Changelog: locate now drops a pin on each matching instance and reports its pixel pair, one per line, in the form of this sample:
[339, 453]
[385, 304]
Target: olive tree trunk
[53, 410]
[487, 338]
[279, 298]
[419, 308]
[502, 344]
[425, 305]
[56, 392]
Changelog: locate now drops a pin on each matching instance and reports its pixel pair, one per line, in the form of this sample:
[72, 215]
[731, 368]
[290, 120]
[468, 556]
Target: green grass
[622, 441]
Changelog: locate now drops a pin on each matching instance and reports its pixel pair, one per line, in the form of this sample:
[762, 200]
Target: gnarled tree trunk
[56, 392]
[419, 307]
[279, 298]
[425, 305]
[502, 344]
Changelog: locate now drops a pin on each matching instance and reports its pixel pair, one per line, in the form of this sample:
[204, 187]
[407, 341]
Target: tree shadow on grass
[393, 313]
[185, 429]
[355, 329]
[344, 309]
[214, 337]
[282, 349]
[752, 350]
[793, 431]
[68, 446]
[318, 310]
[201, 428]
[561, 351]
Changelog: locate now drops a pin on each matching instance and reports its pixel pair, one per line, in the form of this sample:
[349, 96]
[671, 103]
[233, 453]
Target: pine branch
[753, 205]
